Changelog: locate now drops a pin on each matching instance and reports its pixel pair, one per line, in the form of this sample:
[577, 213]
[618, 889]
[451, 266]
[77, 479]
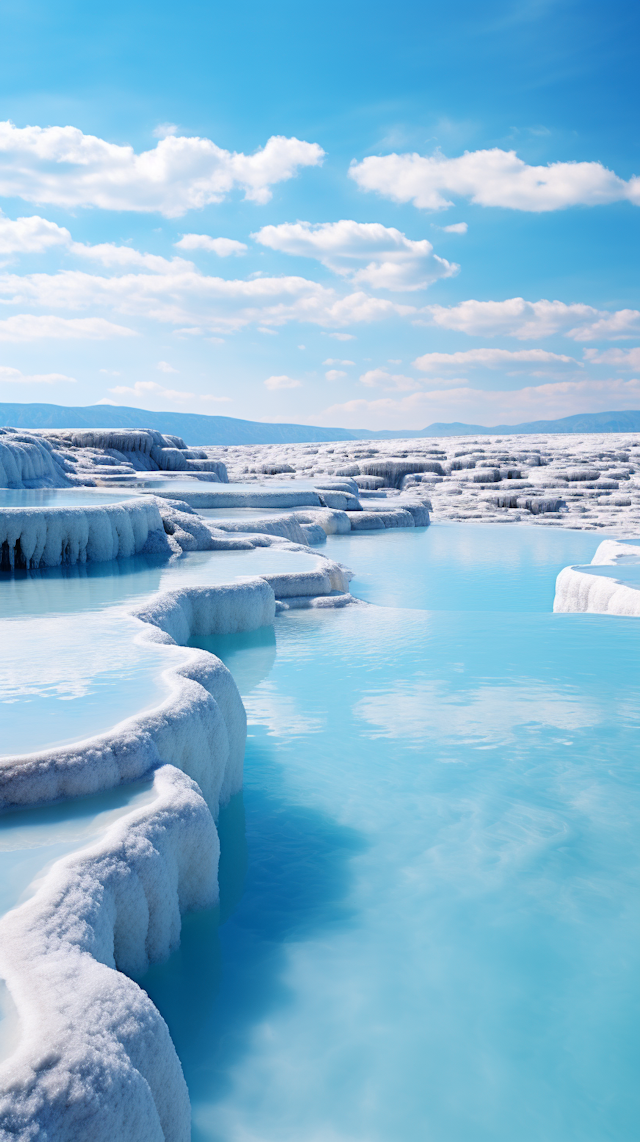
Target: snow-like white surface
[588, 481]
[64, 457]
[95, 1060]
[49, 537]
[599, 591]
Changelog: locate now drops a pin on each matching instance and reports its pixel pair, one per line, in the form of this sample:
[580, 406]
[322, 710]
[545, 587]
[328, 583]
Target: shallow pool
[71, 666]
[62, 497]
[429, 889]
[247, 514]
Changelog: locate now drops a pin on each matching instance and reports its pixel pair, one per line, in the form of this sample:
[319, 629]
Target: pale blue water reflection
[437, 935]
[462, 567]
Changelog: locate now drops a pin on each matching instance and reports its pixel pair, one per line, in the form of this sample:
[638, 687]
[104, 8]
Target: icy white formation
[48, 537]
[95, 1059]
[26, 461]
[588, 482]
[579, 589]
[47, 458]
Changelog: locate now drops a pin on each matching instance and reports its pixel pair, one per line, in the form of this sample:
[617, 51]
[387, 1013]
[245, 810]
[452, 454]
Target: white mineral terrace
[220, 548]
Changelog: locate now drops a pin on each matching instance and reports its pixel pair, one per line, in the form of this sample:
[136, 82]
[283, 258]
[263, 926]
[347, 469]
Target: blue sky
[443, 226]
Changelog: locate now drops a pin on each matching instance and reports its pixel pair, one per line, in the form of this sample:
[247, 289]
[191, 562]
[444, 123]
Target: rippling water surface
[429, 915]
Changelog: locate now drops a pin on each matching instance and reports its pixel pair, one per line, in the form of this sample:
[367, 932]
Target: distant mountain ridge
[199, 429]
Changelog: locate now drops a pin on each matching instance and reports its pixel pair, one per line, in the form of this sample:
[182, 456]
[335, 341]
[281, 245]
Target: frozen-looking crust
[48, 537]
[579, 590]
[64, 458]
[95, 1059]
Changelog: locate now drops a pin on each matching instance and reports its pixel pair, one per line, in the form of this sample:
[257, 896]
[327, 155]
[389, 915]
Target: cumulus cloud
[488, 407]
[492, 359]
[334, 374]
[36, 235]
[620, 358]
[337, 361]
[191, 300]
[30, 327]
[64, 167]
[15, 377]
[282, 382]
[33, 235]
[456, 228]
[165, 367]
[223, 247]
[126, 257]
[151, 388]
[491, 178]
[532, 320]
[367, 253]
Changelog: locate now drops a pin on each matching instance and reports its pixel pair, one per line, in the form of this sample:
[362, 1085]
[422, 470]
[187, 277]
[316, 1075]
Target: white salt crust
[95, 1061]
[579, 590]
[62, 458]
[49, 537]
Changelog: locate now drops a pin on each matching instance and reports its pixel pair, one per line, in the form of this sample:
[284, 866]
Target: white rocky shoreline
[95, 1058]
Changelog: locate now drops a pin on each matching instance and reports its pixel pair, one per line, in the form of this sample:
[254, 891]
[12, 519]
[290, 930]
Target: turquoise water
[70, 665]
[462, 567]
[61, 497]
[237, 514]
[429, 894]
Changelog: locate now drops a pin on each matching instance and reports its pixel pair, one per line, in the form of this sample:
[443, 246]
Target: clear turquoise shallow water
[429, 899]
[70, 664]
[61, 497]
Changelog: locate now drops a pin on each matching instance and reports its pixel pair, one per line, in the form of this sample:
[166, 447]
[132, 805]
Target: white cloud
[189, 299]
[337, 361]
[488, 407]
[491, 178]
[33, 235]
[29, 327]
[165, 367]
[163, 130]
[367, 253]
[342, 336]
[386, 380]
[116, 257]
[36, 235]
[143, 389]
[492, 359]
[620, 358]
[456, 228]
[532, 320]
[334, 374]
[223, 247]
[282, 382]
[63, 166]
[15, 377]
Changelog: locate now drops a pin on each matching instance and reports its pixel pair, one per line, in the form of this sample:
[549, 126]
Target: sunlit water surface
[429, 902]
